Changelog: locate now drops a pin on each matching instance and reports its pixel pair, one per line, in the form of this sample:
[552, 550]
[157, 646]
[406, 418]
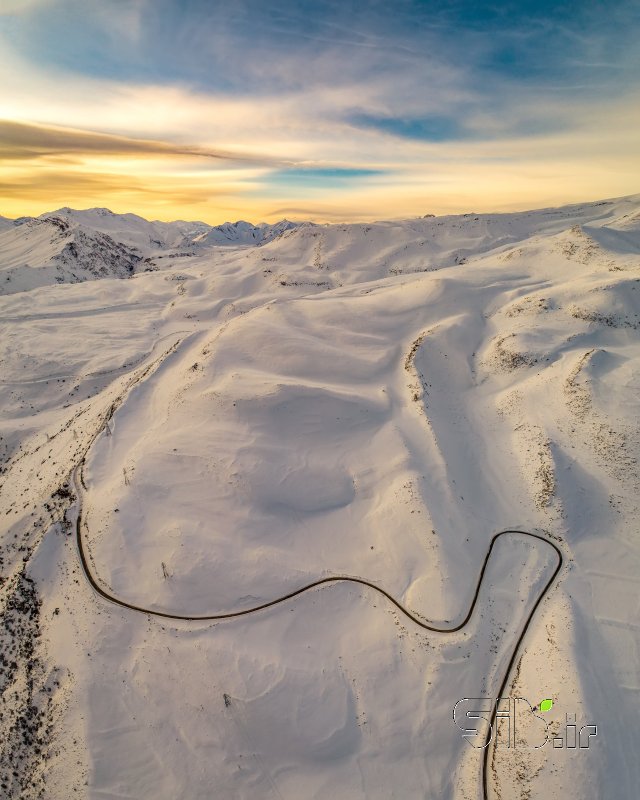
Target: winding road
[93, 580]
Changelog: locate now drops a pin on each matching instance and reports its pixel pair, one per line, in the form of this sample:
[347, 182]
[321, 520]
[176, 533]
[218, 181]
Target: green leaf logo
[546, 705]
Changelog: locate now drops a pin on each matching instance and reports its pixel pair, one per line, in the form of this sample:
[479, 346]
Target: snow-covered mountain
[69, 246]
[40, 252]
[245, 233]
[372, 403]
[149, 237]
[132, 230]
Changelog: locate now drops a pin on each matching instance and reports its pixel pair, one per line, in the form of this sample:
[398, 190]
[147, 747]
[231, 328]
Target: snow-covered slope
[40, 252]
[5, 223]
[349, 253]
[367, 401]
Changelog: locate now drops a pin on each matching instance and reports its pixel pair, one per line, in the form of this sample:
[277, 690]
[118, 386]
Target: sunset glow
[328, 111]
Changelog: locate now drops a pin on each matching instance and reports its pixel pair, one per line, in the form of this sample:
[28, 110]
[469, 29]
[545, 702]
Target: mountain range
[71, 246]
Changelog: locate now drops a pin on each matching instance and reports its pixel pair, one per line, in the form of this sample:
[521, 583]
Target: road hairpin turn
[112, 598]
[78, 480]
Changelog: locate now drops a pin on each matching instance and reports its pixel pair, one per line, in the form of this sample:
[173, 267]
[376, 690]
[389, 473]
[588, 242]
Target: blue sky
[337, 110]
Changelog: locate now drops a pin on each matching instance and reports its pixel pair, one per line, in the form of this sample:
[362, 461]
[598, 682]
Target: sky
[331, 111]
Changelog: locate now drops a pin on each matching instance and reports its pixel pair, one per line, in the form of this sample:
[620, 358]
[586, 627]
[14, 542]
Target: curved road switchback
[78, 481]
[429, 626]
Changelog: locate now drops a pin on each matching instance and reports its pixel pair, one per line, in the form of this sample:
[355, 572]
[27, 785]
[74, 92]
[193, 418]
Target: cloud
[251, 48]
[157, 195]
[52, 185]
[19, 140]
[15, 7]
